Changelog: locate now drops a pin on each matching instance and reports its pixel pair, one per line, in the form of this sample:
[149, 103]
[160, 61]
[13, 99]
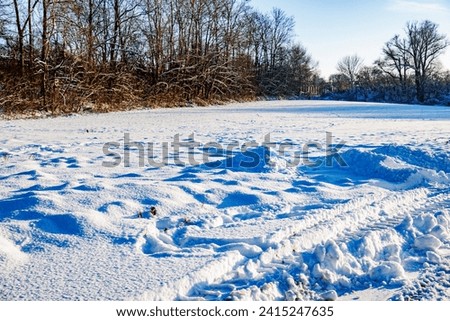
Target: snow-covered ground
[265, 201]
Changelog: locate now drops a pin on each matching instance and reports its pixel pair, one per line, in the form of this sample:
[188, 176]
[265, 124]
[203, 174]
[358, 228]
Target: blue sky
[332, 29]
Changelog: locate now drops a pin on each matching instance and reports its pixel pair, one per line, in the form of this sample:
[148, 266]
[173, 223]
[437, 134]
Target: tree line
[66, 56]
[63, 56]
[408, 70]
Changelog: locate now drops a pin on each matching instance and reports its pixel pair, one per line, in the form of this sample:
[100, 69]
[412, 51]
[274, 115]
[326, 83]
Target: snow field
[70, 230]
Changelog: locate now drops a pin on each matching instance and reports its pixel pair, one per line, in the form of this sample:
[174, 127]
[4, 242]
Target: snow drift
[245, 224]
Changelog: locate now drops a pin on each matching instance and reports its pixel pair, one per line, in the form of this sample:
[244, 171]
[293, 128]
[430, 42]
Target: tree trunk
[90, 36]
[44, 54]
[20, 37]
[30, 35]
[420, 88]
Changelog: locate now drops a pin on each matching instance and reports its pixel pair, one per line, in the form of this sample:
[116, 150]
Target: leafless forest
[63, 56]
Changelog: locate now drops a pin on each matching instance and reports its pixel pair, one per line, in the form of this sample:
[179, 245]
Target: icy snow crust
[374, 227]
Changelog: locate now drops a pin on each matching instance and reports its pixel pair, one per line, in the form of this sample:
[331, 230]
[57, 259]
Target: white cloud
[417, 6]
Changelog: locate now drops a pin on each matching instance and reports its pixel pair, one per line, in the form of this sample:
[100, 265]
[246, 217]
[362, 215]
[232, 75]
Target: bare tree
[424, 45]
[20, 35]
[45, 50]
[281, 35]
[349, 66]
[21, 25]
[413, 59]
[300, 72]
[396, 61]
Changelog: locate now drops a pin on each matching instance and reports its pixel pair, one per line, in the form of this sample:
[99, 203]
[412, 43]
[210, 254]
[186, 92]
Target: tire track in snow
[354, 218]
[432, 202]
[399, 205]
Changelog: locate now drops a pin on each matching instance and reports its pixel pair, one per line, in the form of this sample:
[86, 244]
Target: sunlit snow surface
[272, 200]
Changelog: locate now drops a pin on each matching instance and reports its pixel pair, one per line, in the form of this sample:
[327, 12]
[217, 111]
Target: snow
[280, 200]
[427, 242]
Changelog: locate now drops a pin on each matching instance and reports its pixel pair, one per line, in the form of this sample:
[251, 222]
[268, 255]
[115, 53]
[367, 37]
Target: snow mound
[379, 258]
[407, 168]
[438, 161]
[260, 159]
[153, 241]
[60, 224]
[427, 243]
[372, 165]
[390, 272]
[11, 255]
